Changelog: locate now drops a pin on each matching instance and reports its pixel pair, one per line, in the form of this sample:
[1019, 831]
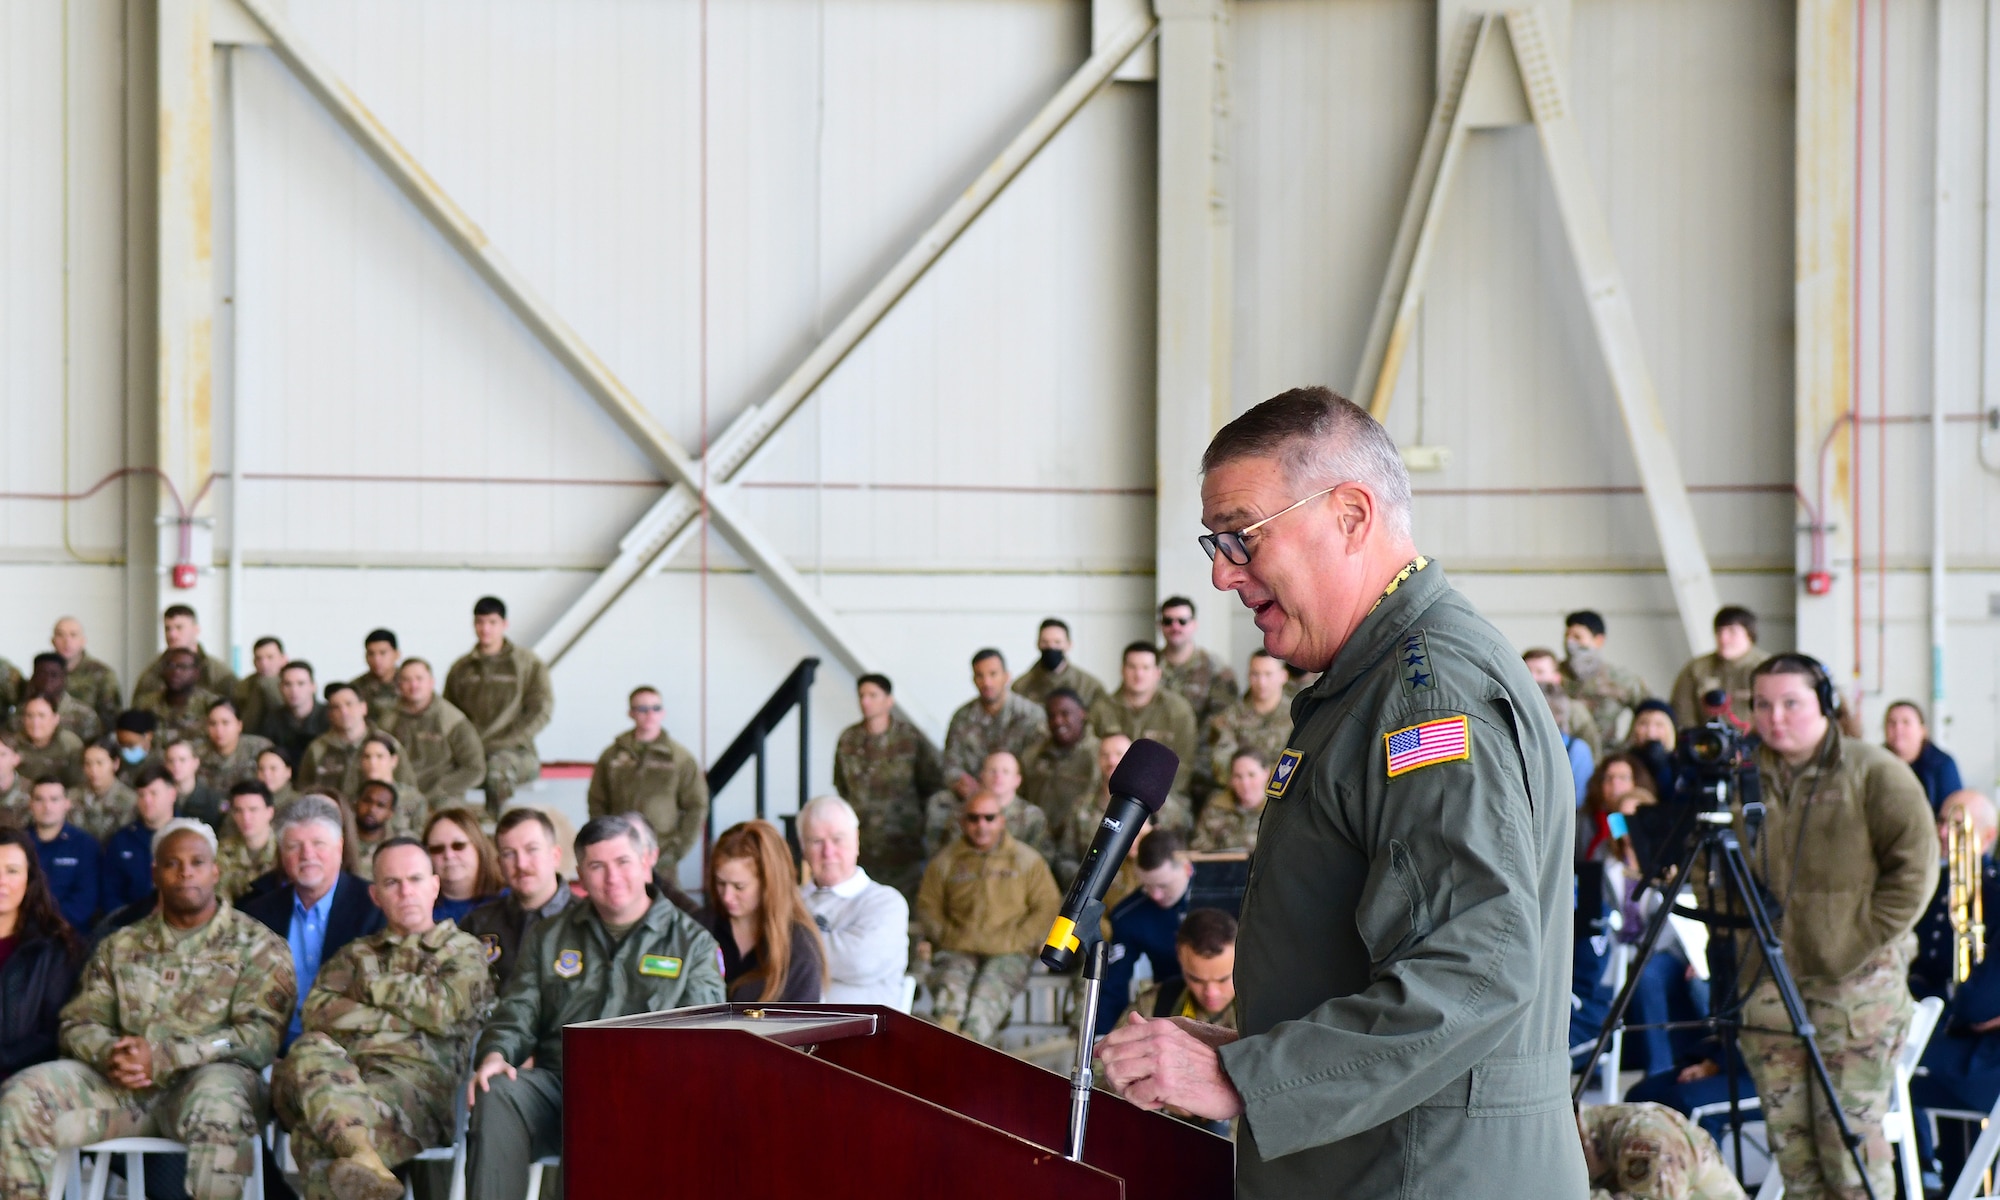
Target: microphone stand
[1080, 1080]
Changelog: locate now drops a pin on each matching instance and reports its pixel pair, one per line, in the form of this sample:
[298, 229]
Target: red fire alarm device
[184, 575]
[1818, 583]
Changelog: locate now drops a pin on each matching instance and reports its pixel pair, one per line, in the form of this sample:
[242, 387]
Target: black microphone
[1138, 788]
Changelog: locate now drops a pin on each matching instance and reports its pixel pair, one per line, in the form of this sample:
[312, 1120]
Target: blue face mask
[132, 754]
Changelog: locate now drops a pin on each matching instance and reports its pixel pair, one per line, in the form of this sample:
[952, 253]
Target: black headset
[1812, 668]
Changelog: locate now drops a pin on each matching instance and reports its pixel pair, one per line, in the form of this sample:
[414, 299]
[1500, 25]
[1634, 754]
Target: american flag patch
[1448, 740]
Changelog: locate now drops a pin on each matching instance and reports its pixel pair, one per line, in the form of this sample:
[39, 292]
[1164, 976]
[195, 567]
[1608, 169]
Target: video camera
[1713, 766]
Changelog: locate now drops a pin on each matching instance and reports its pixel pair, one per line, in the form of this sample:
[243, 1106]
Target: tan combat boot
[360, 1174]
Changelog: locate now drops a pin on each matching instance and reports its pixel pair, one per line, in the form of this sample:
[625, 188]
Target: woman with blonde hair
[466, 862]
[771, 950]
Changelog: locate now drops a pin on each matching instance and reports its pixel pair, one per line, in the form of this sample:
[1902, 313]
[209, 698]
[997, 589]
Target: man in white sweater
[866, 925]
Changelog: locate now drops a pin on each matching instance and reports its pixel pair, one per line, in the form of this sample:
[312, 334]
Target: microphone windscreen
[1146, 773]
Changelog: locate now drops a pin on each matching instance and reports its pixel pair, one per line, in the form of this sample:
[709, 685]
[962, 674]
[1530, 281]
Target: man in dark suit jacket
[320, 907]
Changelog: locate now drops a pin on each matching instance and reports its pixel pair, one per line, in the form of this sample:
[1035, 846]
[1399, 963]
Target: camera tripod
[1714, 841]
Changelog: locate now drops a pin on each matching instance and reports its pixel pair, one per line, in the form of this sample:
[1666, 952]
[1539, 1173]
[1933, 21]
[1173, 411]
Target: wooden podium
[823, 1101]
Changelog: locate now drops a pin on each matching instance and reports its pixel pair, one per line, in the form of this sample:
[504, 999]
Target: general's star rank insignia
[1413, 660]
[1281, 775]
[569, 964]
[491, 943]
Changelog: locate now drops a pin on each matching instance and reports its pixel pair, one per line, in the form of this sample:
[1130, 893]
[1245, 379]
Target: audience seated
[372, 819]
[388, 1025]
[503, 689]
[1608, 690]
[441, 745]
[1634, 1150]
[274, 771]
[133, 732]
[1261, 720]
[1652, 738]
[182, 631]
[69, 856]
[1144, 923]
[986, 903]
[627, 950]
[228, 755]
[171, 1023]
[1230, 819]
[377, 686]
[1141, 708]
[645, 771]
[180, 704]
[335, 758]
[193, 798]
[1546, 670]
[886, 768]
[318, 908]
[50, 680]
[1197, 676]
[1059, 776]
[864, 925]
[248, 856]
[44, 747]
[102, 803]
[535, 891]
[995, 719]
[1906, 734]
[1055, 669]
[89, 680]
[999, 775]
[259, 693]
[126, 872]
[300, 718]
[464, 860]
[1205, 989]
[1729, 668]
[40, 954]
[770, 944]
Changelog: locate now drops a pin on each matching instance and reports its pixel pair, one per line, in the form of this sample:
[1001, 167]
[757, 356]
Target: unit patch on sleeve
[1413, 663]
[662, 965]
[491, 942]
[1281, 775]
[1433, 742]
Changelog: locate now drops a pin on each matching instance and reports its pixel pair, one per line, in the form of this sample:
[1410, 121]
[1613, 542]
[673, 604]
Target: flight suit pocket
[1395, 910]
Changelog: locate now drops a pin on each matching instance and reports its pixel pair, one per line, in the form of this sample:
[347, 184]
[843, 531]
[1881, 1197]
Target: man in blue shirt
[69, 855]
[321, 907]
[126, 872]
[1144, 923]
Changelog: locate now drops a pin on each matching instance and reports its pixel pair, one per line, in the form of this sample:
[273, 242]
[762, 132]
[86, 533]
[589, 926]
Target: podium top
[778, 1023]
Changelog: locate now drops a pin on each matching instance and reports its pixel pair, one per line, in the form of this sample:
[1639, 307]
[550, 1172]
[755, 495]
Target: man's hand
[1172, 1061]
[131, 1063]
[493, 1064]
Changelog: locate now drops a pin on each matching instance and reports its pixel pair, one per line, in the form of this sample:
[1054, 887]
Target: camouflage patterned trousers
[325, 1100]
[1860, 1023]
[508, 770]
[216, 1109]
[972, 992]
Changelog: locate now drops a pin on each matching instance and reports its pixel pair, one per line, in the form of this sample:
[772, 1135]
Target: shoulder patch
[1281, 774]
[1413, 664]
[491, 943]
[1446, 740]
[569, 964]
[660, 965]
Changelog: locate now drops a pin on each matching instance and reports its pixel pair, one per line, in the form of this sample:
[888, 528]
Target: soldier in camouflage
[249, 850]
[377, 686]
[647, 772]
[50, 680]
[1141, 708]
[334, 760]
[92, 682]
[1060, 776]
[996, 719]
[1055, 669]
[504, 690]
[46, 748]
[885, 768]
[180, 704]
[1546, 670]
[228, 755]
[171, 1022]
[1610, 692]
[388, 1025]
[1260, 721]
[1197, 676]
[103, 804]
[1230, 819]
[1651, 1152]
[183, 632]
[261, 693]
[14, 787]
[1000, 775]
[440, 744]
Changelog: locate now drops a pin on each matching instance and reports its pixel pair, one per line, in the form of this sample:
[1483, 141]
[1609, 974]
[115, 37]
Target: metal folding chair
[73, 1182]
[1980, 1161]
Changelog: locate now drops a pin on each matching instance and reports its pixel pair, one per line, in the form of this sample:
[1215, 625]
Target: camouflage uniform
[130, 772]
[1608, 690]
[984, 912]
[1709, 672]
[976, 733]
[212, 676]
[71, 714]
[1060, 782]
[241, 866]
[388, 1025]
[1036, 684]
[212, 1001]
[443, 749]
[508, 699]
[886, 779]
[100, 816]
[379, 695]
[1026, 822]
[14, 802]
[661, 781]
[1651, 1152]
[1240, 727]
[95, 685]
[1166, 718]
[183, 722]
[333, 761]
[12, 686]
[62, 757]
[224, 771]
[1225, 824]
[1209, 687]
[256, 697]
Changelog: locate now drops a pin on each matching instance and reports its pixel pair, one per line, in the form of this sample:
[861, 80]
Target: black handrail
[795, 691]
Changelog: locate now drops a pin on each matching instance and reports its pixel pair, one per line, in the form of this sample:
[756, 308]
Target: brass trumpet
[1967, 905]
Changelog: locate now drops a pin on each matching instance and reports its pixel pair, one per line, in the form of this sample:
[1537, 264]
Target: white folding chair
[908, 997]
[1756, 1138]
[535, 1170]
[1620, 962]
[71, 1179]
[1984, 1151]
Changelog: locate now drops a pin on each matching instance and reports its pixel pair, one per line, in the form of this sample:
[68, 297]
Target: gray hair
[831, 810]
[614, 825]
[184, 825]
[308, 809]
[1320, 439]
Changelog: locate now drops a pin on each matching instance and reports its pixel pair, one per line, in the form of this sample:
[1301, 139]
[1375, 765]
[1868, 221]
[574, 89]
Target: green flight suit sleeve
[1448, 914]
[512, 1030]
[468, 761]
[704, 974]
[1904, 833]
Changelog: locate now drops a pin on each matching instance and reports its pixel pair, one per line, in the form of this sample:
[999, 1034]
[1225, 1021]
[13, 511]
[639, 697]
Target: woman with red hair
[771, 950]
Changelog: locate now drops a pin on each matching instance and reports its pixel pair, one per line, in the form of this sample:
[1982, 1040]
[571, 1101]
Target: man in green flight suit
[1403, 962]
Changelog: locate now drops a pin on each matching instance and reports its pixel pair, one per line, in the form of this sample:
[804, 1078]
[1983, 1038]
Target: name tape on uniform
[1426, 745]
[661, 965]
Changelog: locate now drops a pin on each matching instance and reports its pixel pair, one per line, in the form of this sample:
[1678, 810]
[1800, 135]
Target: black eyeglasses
[1232, 542]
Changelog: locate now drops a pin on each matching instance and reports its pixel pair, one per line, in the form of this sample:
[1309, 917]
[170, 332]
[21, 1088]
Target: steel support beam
[548, 326]
[664, 530]
[1193, 305]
